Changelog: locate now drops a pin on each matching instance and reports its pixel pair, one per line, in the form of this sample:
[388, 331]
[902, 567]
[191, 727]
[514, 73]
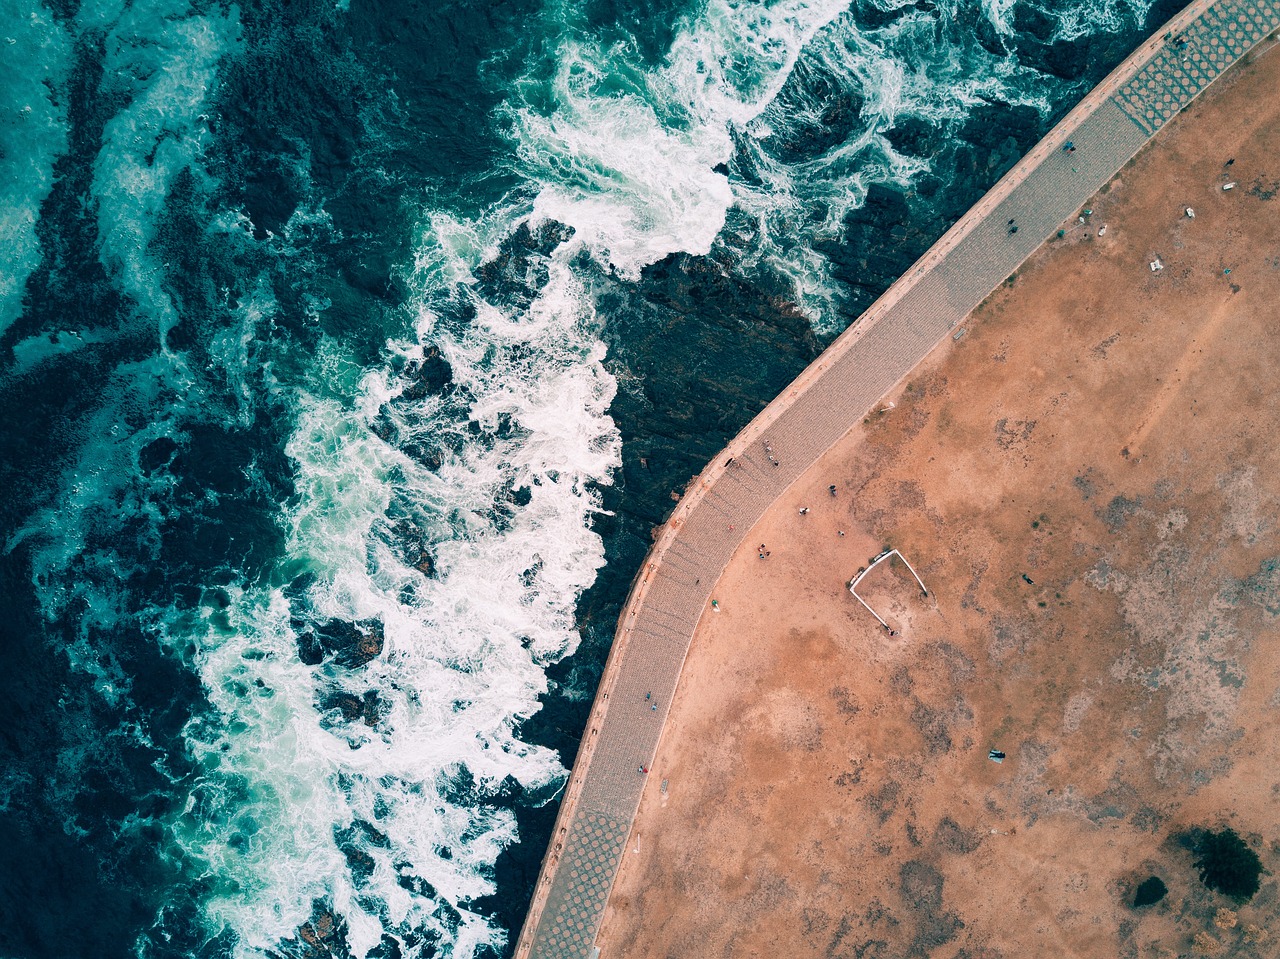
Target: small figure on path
[1013, 230]
[715, 605]
[839, 532]
[832, 489]
[1068, 147]
[804, 511]
[648, 696]
[642, 769]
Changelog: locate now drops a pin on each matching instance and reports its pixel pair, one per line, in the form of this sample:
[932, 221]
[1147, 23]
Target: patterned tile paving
[885, 346]
[590, 860]
[1191, 60]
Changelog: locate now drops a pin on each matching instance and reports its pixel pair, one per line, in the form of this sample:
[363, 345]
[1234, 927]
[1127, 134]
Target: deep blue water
[350, 352]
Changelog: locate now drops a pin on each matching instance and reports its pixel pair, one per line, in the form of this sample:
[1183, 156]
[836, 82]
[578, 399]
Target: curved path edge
[831, 396]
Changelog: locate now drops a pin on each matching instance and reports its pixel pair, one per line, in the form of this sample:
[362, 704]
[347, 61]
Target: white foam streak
[1091, 17]
[998, 13]
[729, 64]
[34, 59]
[627, 157]
[168, 74]
[632, 188]
[464, 650]
[900, 71]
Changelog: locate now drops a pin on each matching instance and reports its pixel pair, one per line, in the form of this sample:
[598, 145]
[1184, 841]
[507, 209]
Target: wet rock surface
[347, 644]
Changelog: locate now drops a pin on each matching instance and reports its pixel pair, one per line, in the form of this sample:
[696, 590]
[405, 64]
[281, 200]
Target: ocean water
[350, 351]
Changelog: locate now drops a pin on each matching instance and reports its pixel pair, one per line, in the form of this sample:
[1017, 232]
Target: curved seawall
[721, 505]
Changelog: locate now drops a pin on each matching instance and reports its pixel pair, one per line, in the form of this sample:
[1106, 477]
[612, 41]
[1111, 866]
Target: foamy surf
[34, 59]
[798, 182]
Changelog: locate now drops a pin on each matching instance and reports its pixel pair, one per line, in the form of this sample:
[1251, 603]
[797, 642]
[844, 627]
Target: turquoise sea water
[349, 352]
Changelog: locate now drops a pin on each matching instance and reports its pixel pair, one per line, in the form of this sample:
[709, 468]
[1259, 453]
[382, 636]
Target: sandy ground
[1088, 481]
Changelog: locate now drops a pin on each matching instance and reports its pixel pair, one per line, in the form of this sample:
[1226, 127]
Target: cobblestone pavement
[722, 505]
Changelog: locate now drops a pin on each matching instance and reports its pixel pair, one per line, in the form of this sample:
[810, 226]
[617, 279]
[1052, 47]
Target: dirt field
[1088, 482]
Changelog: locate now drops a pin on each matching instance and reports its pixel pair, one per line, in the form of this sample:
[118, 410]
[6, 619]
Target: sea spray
[166, 77]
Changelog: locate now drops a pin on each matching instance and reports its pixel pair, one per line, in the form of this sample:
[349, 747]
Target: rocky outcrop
[348, 644]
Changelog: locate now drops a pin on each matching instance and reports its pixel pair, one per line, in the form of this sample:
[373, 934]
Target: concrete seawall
[720, 507]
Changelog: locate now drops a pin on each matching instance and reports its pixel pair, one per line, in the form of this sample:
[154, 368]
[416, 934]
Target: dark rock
[322, 936]
[367, 709]
[348, 644]
[428, 376]
[519, 270]
[351, 844]
[811, 133]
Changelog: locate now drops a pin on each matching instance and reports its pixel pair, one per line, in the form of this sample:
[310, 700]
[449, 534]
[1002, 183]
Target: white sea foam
[34, 59]
[999, 14]
[1092, 17]
[921, 65]
[465, 649]
[632, 158]
[163, 57]
[627, 156]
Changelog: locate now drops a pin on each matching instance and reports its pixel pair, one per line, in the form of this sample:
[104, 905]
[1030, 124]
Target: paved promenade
[722, 505]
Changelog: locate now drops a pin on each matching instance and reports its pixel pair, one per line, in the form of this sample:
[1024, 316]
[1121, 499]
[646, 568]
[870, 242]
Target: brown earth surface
[1088, 482]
